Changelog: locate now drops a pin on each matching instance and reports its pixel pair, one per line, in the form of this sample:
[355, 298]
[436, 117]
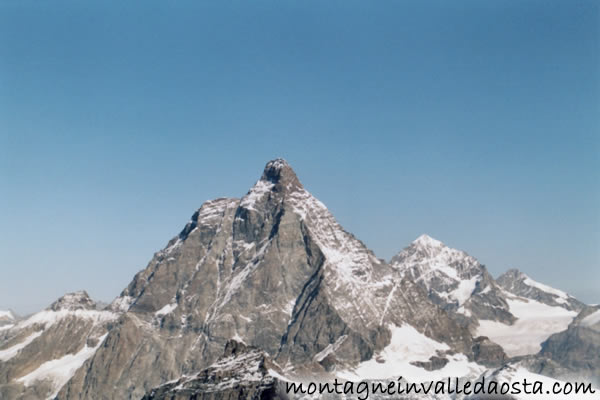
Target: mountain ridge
[275, 271]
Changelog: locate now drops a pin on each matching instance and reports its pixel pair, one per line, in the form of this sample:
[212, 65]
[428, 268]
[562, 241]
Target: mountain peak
[74, 301]
[6, 315]
[514, 273]
[278, 171]
[427, 241]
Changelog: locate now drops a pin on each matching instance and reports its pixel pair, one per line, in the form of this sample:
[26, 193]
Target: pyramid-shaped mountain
[272, 270]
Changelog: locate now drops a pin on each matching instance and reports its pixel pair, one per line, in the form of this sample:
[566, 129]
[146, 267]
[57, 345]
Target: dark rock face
[488, 353]
[432, 364]
[241, 373]
[516, 282]
[574, 353]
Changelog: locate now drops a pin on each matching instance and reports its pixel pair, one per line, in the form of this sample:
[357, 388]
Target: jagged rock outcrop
[516, 282]
[39, 354]
[454, 280]
[273, 270]
[241, 373]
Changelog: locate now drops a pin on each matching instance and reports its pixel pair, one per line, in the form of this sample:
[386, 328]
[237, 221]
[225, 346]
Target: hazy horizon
[473, 122]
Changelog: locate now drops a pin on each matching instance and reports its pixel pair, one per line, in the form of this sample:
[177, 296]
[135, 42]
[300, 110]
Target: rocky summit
[268, 288]
[454, 280]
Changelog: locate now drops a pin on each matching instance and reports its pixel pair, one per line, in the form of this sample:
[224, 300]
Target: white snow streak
[9, 353]
[61, 370]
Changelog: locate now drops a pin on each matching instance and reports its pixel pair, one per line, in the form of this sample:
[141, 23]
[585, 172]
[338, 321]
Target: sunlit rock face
[269, 287]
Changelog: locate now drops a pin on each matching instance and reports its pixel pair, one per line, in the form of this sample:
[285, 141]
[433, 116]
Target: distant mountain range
[270, 288]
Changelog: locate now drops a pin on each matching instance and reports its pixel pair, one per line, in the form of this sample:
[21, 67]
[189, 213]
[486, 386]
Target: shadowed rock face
[574, 353]
[516, 282]
[273, 269]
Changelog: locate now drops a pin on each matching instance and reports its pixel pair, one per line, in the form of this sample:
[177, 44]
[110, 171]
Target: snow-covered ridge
[431, 256]
[349, 264]
[427, 241]
[47, 318]
[519, 284]
[545, 288]
[450, 274]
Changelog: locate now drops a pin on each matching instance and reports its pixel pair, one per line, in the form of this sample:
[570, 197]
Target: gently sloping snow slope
[407, 346]
[535, 323]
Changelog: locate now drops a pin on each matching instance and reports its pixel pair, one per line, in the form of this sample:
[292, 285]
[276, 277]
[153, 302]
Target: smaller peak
[7, 315]
[79, 300]
[515, 273]
[427, 241]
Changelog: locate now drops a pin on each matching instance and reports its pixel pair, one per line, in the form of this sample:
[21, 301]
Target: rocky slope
[39, 355]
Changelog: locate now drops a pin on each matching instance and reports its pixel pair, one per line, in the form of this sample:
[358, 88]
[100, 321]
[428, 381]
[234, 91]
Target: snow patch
[536, 322]
[464, 290]
[331, 348]
[122, 303]
[169, 308]
[47, 318]
[408, 345]
[258, 191]
[61, 370]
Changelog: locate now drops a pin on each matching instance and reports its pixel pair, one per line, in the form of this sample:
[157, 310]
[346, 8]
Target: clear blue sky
[476, 122]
